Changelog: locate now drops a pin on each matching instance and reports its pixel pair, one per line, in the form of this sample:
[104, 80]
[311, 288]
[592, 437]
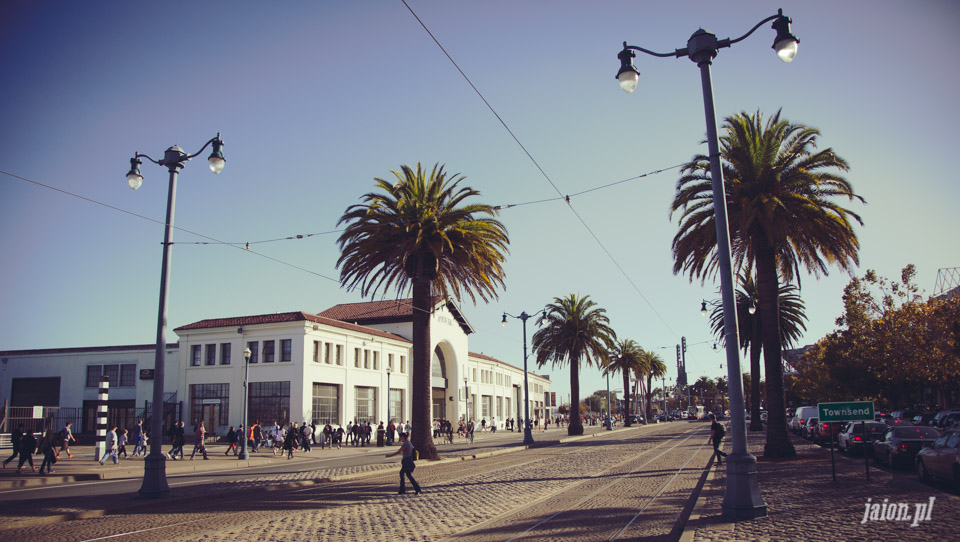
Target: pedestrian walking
[716, 435]
[257, 435]
[177, 439]
[290, 442]
[48, 446]
[16, 440]
[111, 446]
[28, 444]
[66, 436]
[338, 437]
[139, 442]
[199, 434]
[406, 464]
[122, 443]
[232, 439]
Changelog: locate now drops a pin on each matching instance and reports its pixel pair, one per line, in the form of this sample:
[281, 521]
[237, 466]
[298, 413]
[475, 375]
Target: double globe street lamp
[742, 498]
[527, 430]
[154, 465]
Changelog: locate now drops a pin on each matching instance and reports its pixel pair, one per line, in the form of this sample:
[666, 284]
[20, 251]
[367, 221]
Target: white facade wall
[70, 365]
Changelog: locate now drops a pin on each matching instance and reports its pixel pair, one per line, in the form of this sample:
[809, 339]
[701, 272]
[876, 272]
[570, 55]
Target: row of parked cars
[931, 443]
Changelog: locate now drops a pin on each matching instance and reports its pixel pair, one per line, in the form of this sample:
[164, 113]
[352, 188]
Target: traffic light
[678, 355]
[684, 341]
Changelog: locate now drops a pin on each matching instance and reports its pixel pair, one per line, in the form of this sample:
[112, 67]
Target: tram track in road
[539, 520]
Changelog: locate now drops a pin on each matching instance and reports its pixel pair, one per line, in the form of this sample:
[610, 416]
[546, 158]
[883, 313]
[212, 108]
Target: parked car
[800, 417]
[637, 418]
[903, 414]
[942, 460]
[940, 419]
[922, 419]
[901, 443]
[851, 438]
[808, 427]
[824, 432]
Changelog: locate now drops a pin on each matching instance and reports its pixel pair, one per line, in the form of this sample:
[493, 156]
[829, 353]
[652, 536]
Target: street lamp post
[246, 372]
[609, 423]
[466, 400]
[154, 465]
[742, 498]
[527, 432]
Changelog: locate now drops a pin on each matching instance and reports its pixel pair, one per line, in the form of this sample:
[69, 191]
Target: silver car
[942, 460]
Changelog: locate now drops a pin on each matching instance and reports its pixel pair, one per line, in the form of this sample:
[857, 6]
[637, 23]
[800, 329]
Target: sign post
[849, 411]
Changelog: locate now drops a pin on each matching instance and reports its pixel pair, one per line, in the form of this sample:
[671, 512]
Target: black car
[851, 438]
[901, 443]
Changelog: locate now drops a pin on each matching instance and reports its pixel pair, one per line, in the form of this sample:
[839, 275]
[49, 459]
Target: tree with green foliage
[419, 233]
[576, 332]
[782, 215]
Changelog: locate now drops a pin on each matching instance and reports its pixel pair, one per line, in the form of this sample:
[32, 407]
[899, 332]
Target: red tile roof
[371, 310]
[281, 317]
[394, 310]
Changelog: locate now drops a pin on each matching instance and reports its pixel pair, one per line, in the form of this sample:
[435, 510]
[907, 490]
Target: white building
[331, 367]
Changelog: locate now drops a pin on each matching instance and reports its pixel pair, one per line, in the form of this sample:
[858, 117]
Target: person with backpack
[28, 446]
[66, 435]
[406, 464]
[716, 435]
[232, 440]
[48, 448]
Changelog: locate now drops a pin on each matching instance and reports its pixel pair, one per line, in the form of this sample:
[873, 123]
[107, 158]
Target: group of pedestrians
[25, 444]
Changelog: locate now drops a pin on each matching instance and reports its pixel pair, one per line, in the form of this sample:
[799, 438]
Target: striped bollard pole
[102, 395]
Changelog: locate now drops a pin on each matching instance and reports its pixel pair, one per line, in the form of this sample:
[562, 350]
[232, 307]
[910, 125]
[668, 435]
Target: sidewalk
[804, 503]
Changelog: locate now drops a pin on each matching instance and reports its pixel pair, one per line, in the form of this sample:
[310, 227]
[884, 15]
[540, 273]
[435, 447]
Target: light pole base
[527, 436]
[155, 477]
[243, 456]
[742, 499]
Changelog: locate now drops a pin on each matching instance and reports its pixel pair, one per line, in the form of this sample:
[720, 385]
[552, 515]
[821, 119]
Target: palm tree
[576, 331]
[419, 233]
[626, 361]
[792, 326]
[655, 368]
[780, 192]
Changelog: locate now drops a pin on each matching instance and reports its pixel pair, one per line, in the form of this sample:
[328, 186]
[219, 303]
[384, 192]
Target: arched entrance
[438, 384]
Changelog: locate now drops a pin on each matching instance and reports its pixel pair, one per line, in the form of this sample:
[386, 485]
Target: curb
[690, 523]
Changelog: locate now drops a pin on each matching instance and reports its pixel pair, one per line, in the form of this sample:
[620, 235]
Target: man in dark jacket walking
[716, 435]
[16, 439]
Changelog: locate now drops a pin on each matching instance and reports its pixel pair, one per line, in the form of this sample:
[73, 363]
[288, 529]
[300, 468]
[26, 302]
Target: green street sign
[846, 412]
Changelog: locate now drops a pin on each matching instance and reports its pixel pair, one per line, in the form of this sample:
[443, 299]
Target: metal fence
[38, 418]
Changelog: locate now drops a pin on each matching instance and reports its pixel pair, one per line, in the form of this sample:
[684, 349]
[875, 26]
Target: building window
[210, 394]
[93, 375]
[485, 406]
[396, 405]
[254, 347]
[500, 407]
[121, 376]
[356, 358]
[316, 351]
[366, 405]
[403, 364]
[326, 403]
[390, 362]
[376, 361]
[268, 355]
[474, 371]
[366, 359]
[211, 354]
[326, 353]
[195, 355]
[269, 402]
[286, 350]
[339, 354]
[225, 351]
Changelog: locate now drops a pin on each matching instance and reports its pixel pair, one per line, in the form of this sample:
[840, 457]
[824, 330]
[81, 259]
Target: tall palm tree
[625, 359]
[576, 331]
[655, 368]
[418, 233]
[792, 325]
[782, 214]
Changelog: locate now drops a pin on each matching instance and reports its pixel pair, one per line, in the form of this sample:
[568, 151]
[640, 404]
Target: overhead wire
[539, 168]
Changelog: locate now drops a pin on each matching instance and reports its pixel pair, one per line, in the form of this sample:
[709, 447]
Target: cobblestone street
[582, 490]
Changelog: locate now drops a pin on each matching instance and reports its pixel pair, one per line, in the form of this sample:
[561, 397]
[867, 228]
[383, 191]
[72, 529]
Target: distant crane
[948, 282]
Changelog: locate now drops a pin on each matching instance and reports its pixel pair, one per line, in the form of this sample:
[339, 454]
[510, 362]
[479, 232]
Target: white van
[800, 417]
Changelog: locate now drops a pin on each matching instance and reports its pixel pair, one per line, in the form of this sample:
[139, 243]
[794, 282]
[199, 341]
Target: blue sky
[315, 99]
